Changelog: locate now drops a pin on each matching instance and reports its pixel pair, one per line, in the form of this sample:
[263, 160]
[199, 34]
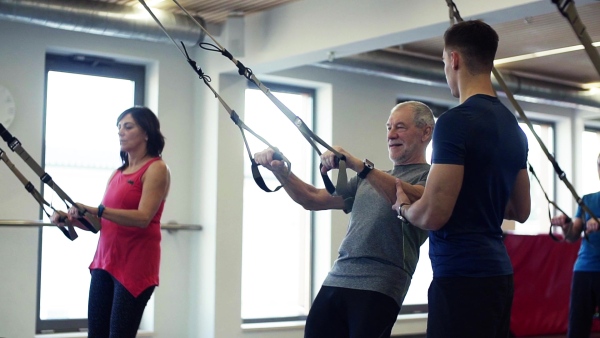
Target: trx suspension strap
[568, 10]
[232, 114]
[567, 220]
[563, 177]
[342, 179]
[70, 233]
[15, 145]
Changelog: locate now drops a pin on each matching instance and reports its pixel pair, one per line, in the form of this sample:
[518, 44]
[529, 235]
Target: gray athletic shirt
[379, 253]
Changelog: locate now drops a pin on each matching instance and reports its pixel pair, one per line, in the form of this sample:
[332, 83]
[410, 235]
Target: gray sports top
[379, 253]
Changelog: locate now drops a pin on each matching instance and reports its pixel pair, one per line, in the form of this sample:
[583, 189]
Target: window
[276, 249]
[416, 297]
[538, 221]
[590, 151]
[84, 97]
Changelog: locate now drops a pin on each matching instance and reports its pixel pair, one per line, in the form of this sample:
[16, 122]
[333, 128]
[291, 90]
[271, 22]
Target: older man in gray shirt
[363, 292]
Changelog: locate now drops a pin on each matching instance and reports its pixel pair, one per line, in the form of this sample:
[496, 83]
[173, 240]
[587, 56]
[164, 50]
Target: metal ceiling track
[101, 18]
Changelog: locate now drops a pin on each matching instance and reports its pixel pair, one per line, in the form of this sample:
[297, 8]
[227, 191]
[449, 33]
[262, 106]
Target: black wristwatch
[368, 167]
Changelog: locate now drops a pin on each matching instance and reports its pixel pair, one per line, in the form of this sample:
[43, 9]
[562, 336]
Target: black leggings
[113, 312]
[349, 313]
[585, 298]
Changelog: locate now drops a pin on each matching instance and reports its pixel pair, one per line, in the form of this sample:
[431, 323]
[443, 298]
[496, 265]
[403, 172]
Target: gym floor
[593, 335]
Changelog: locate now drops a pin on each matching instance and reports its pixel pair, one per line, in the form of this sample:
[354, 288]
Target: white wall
[170, 94]
[199, 295]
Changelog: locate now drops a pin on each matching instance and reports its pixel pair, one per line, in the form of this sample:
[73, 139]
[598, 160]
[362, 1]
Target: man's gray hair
[423, 114]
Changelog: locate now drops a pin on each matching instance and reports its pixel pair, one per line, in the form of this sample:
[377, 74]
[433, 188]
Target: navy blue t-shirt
[483, 136]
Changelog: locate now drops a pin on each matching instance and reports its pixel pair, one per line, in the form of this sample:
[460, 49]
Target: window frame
[84, 65]
[595, 128]
[551, 194]
[294, 89]
[437, 110]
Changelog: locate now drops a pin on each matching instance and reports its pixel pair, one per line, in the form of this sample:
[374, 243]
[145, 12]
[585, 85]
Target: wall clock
[7, 107]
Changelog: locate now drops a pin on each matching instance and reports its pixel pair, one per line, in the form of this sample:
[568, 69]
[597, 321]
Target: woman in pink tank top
[125, 267]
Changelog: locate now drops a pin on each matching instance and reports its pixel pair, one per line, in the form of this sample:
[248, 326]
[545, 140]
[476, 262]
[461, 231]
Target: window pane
[81, 151]
[419, 285]
[590, 151]
[276, 239]
[538, 221]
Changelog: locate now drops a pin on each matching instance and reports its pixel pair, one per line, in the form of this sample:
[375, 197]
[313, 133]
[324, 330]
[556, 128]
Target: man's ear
[427, 134]
[454, 59]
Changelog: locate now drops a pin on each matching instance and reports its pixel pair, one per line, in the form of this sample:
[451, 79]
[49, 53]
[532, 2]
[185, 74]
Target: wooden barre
[170, 226]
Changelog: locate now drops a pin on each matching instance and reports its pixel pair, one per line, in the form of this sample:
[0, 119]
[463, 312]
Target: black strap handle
[341, 184]
[70, 233]
[15, 145]
[238, 122]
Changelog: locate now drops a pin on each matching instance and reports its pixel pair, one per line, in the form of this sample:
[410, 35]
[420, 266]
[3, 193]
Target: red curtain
[543, 271]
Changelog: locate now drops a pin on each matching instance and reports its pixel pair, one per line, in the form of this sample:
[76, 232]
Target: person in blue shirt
[478, 178]
[585, 286]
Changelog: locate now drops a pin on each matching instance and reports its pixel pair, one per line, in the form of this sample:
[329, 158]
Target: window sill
[293, 325]
[83, 334]
[273, 326]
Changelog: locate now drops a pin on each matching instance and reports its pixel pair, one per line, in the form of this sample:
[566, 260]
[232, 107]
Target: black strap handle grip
[87, 223]
[69, 232]
[256, 173]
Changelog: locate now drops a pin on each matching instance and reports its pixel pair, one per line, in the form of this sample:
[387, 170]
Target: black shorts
[469, 307]
[350, 313]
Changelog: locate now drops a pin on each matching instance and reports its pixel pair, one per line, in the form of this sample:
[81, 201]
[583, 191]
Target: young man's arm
[433, 210]
[519, 204]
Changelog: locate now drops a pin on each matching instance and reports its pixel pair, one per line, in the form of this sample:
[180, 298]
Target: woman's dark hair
[148, 121]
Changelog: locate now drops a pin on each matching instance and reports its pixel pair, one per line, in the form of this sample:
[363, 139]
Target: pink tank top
[129, 254]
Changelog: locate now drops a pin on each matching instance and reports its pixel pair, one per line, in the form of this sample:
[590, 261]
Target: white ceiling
[520, 33]
[529, 34]
[213, 11]
[538, 34]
